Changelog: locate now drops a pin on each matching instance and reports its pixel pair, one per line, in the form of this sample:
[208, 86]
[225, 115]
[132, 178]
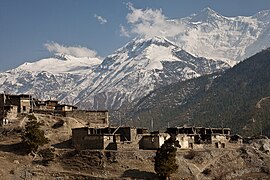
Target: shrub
[32, 117]
[58, 124]
[47, 155]
[165, 160]
[190, 155]
[33, 136]
[206, 171]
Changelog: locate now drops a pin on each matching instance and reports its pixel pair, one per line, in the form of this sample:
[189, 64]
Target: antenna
[152, 124]
[152, 121]
[261, 127]
[222, 123]
[32, 103]
[118, 117]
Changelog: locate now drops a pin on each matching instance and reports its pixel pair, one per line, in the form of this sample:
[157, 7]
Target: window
[223, 145]
[24, 108]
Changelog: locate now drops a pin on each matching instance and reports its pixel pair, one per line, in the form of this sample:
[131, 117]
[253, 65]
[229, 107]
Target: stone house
[25, 105]
[142, 131]
[219, 140]
[236, 138]
[185, 135]
[95, 119]
[82, 138]
[185, 141]
[50, 104]
[153, 141]
[65, 107]
[109, 138]
[11, 105]
[39, 105]
[23, 102]
[44, 105]
[190, 137]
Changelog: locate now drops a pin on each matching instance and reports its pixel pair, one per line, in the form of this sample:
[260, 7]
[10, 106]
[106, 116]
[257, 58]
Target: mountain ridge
[143, 65]
[232, 98]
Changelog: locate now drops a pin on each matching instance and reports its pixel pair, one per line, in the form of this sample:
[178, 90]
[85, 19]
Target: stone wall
[82, 140]
[93, 142]
[149, 142]
[220, 141]
[8, 107]
[127, 146]
[50, 112]
[185, 141]
[127, 133]
[77, 136]
[93, 118]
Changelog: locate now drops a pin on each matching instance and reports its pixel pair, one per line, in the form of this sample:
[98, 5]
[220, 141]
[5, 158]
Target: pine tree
[33, 136]
[165, 160]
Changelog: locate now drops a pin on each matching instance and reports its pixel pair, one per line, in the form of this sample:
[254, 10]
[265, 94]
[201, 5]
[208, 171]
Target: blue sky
[35, 29]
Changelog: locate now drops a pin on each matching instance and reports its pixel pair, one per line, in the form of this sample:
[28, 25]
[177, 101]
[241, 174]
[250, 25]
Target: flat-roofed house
[65, 107]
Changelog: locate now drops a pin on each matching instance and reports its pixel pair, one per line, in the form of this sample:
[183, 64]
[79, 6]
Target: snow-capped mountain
[138, 68]
[47, 78]
[209, 43]
[232, 39]
[127, 75]
[61, 63]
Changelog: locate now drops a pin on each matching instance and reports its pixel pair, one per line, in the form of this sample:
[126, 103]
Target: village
[99, 134]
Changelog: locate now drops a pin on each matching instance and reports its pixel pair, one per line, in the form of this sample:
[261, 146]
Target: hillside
[234, 162]
[163, 104]
[237, 99]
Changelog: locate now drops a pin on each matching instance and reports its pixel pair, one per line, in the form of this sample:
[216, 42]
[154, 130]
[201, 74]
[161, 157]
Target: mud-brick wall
[149, 142]
[93, 142]
[93, 118]
[78, 135]
[81, 140]
[128, 146]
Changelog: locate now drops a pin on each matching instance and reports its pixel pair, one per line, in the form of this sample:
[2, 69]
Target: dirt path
[258, 105]
[213, 161]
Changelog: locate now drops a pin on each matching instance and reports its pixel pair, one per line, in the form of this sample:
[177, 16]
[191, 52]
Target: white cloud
[150, 22]
[76, 51]
[101, 20]
[123, 31]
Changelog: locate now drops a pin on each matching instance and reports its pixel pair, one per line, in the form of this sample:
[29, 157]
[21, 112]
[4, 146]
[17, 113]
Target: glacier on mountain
[231, 39]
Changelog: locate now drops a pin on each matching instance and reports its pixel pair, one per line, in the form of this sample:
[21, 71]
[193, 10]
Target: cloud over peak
[149, 23]
[76, 51]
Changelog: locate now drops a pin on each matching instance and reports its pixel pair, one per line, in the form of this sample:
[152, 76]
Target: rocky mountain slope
[238, 99]
[138, 68]
[210, 43]
[127, 75]
[232, 39]
[49, 78]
